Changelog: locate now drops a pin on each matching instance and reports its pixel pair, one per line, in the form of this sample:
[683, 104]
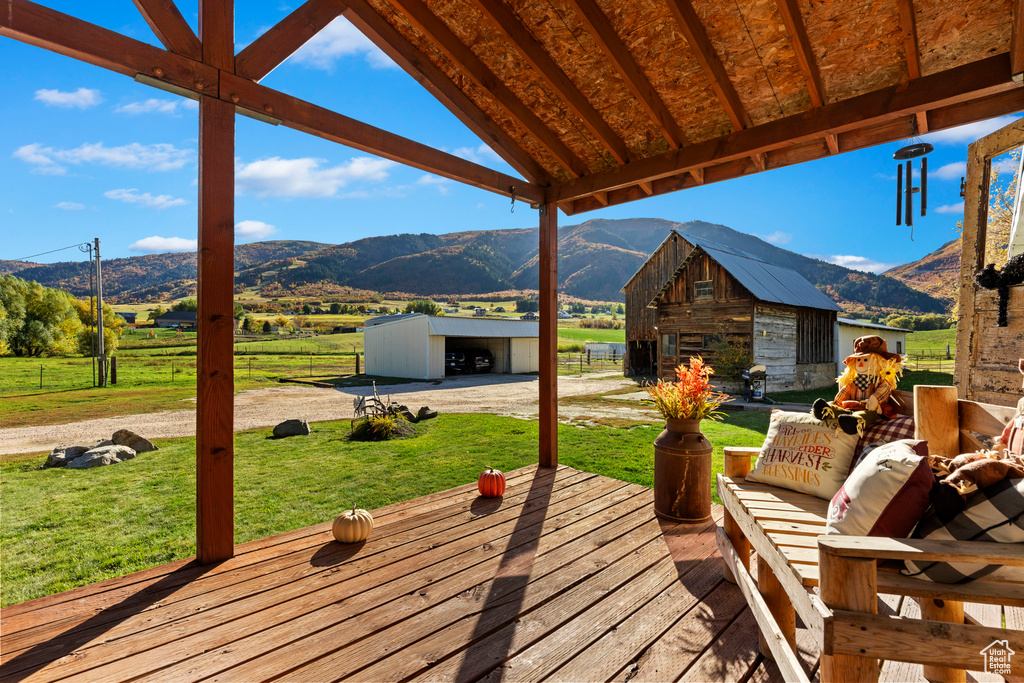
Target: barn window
[710, 340]
[703, 290]
[668, 345]
[815, 336]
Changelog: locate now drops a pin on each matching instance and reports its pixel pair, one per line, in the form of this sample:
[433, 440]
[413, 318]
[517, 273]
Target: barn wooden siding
[778, 336]
[728, 313]
[641, 321]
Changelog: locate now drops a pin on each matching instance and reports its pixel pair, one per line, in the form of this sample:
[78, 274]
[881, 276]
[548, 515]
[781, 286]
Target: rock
[65, 453]
[292, 428]
[425, 413]
[126, 437]
[98, 457]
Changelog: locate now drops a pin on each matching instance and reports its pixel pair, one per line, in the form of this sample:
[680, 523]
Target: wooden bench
[834, 582]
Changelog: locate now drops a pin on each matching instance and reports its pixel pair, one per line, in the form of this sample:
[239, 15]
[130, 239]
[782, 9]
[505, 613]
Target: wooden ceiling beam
[908, 27]
[309, 118]
[689, 23]
[961, 84]
[794, 22]
[282, 40]
[420, 16]
[170, 27]
[603, 33]
[534, 52]
[1017, 41]
[427, 74]
[43, 27]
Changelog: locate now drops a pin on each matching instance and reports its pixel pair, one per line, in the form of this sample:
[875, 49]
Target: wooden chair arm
[738, 460]
[877, 548]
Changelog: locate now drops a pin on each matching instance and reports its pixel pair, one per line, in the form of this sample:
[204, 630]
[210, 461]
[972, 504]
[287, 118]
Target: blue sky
[90, 153]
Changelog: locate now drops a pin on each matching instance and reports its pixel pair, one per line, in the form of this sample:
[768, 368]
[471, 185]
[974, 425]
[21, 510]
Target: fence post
[113, 369]
[357, 363]
[40, 375]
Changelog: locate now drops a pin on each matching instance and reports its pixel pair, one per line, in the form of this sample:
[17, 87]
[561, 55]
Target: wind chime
[905, 194]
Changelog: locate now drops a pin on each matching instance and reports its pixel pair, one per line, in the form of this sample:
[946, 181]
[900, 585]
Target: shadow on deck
[569, 577]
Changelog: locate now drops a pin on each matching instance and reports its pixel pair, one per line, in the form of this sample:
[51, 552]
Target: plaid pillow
[995, 513]
[885, 431]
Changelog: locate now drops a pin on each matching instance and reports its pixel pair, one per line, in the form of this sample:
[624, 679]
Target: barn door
[987, 355]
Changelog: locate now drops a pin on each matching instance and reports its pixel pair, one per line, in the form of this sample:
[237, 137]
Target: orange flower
[691, 396]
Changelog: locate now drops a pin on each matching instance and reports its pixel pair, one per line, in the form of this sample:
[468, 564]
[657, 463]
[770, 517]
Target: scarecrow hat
[872, 344]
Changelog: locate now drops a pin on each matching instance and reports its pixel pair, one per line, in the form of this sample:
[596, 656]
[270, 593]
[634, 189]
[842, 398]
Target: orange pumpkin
[491, 483]
[352, 526]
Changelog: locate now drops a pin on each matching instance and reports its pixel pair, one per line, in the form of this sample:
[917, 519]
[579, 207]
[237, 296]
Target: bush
[594, 324]
[380, 428]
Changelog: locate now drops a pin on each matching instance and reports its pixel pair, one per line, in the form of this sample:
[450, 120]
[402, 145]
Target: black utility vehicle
[465, 361]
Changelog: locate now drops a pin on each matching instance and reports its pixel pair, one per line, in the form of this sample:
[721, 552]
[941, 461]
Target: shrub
[380, 428]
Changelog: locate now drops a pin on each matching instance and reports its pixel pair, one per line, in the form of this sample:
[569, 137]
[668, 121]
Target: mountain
[595, 259]
[7, 267]
[937, 274]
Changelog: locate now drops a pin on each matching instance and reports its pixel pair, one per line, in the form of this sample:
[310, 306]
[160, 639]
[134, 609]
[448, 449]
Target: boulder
[98, 457]
[126, 437]
[65, 453]
[291, 428]
[425, 413]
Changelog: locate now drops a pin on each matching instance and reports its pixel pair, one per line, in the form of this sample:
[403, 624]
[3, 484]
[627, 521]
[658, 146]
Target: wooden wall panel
[652, 276]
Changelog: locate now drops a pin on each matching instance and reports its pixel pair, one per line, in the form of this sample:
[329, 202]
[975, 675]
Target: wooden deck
[569, 577]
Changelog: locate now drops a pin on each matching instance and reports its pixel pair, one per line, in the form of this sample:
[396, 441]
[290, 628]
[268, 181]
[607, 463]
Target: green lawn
[932, 342]
[580, 334]
[66, 528]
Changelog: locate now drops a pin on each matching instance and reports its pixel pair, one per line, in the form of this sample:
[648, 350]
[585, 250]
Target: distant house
[848, 329]
[718, 293]
[479, 311]
[564, 315]
[129, 317]
[176, 319]
[529, 315]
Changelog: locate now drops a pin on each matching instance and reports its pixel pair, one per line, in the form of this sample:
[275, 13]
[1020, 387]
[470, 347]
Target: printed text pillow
[803, 454]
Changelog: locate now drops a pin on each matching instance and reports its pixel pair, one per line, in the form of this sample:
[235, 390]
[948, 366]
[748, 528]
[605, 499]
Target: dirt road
[514, 395]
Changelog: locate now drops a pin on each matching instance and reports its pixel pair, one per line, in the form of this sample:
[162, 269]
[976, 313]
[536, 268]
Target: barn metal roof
[765, 281]
[864, 323]
[687, 237]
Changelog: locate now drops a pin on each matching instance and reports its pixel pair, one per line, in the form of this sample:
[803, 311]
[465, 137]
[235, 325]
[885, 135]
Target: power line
[73, 246]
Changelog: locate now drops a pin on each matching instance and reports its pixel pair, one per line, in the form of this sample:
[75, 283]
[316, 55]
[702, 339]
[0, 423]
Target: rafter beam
[794, 22]
[170, 27]
[958, 85]
[603, 33]
[281, 41]
[692, 28]
[1017, 41]
[424, 72]
[531, 49]
[908, 27]
[37, 25]
[474, 68]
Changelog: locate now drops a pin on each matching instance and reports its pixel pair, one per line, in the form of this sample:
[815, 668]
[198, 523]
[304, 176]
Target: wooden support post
[737, 466]
[952, 612]
[548, 351]
[215, 323]
[847, 584]
[936, 419]
[778, 604]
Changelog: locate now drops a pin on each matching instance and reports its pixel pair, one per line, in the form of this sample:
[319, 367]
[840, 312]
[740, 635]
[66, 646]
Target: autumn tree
[36, 320]
[113, 326]
[186, 305]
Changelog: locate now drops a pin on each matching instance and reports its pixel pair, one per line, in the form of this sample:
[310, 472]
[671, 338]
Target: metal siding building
[848, 330]
[413, 346]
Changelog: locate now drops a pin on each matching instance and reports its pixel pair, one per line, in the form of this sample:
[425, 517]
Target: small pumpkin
[491, 483]
[352, 526]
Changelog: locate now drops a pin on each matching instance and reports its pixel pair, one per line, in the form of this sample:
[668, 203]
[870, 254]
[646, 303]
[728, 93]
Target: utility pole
[99, 317]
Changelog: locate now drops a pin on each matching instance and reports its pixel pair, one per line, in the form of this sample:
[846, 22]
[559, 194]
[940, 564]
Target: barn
[413, 346]
[721, 294]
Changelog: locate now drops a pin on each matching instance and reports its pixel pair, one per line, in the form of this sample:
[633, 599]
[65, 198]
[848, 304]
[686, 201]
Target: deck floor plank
[568, 577]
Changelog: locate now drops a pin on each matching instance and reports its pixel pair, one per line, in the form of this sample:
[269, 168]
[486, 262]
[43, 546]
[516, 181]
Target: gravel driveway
[514, 395]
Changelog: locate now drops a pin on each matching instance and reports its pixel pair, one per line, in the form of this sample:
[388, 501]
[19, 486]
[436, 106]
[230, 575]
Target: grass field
[66, 528]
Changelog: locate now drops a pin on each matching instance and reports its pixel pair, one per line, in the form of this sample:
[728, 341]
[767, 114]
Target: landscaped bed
[61, 529]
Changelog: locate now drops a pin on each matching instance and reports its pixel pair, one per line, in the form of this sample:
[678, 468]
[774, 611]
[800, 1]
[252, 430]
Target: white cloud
[860, 263]
[158, 157]
[340, 39]
[953, 171]
[951, 208]
[437, 181]
[968, 133]
[69, 206]
[1005, 165]
[254, 229]
[161, 245]
[132, 196]
[83, 98]
[277, 177]
[153, 105]
[480, 154]
[778, 237]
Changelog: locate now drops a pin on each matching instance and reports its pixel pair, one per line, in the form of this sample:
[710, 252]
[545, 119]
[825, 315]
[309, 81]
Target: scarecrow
[1012, 439]
[864, 388]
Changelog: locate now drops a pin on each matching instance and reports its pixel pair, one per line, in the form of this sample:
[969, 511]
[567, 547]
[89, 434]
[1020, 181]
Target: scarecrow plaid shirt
[860, 389]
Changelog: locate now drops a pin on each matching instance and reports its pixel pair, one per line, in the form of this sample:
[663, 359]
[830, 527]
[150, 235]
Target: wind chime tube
[910, 193]
[924, 186]
[899, 194]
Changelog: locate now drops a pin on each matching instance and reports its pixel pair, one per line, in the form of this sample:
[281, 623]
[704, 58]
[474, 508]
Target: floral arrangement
[691, 396]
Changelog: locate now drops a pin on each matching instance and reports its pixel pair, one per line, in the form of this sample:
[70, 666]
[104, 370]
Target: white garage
[413, 346]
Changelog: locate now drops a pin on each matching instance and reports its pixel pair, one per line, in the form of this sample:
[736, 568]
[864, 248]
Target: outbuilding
[848, 330]
[413, 346]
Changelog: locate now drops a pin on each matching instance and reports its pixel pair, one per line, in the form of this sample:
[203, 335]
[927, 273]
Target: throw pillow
[887, 493]
[994, 513]
[882, 432]
[803, 454]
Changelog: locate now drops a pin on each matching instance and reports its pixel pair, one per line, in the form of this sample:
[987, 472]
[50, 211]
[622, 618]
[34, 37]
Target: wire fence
[933, 361]
[583, 363]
